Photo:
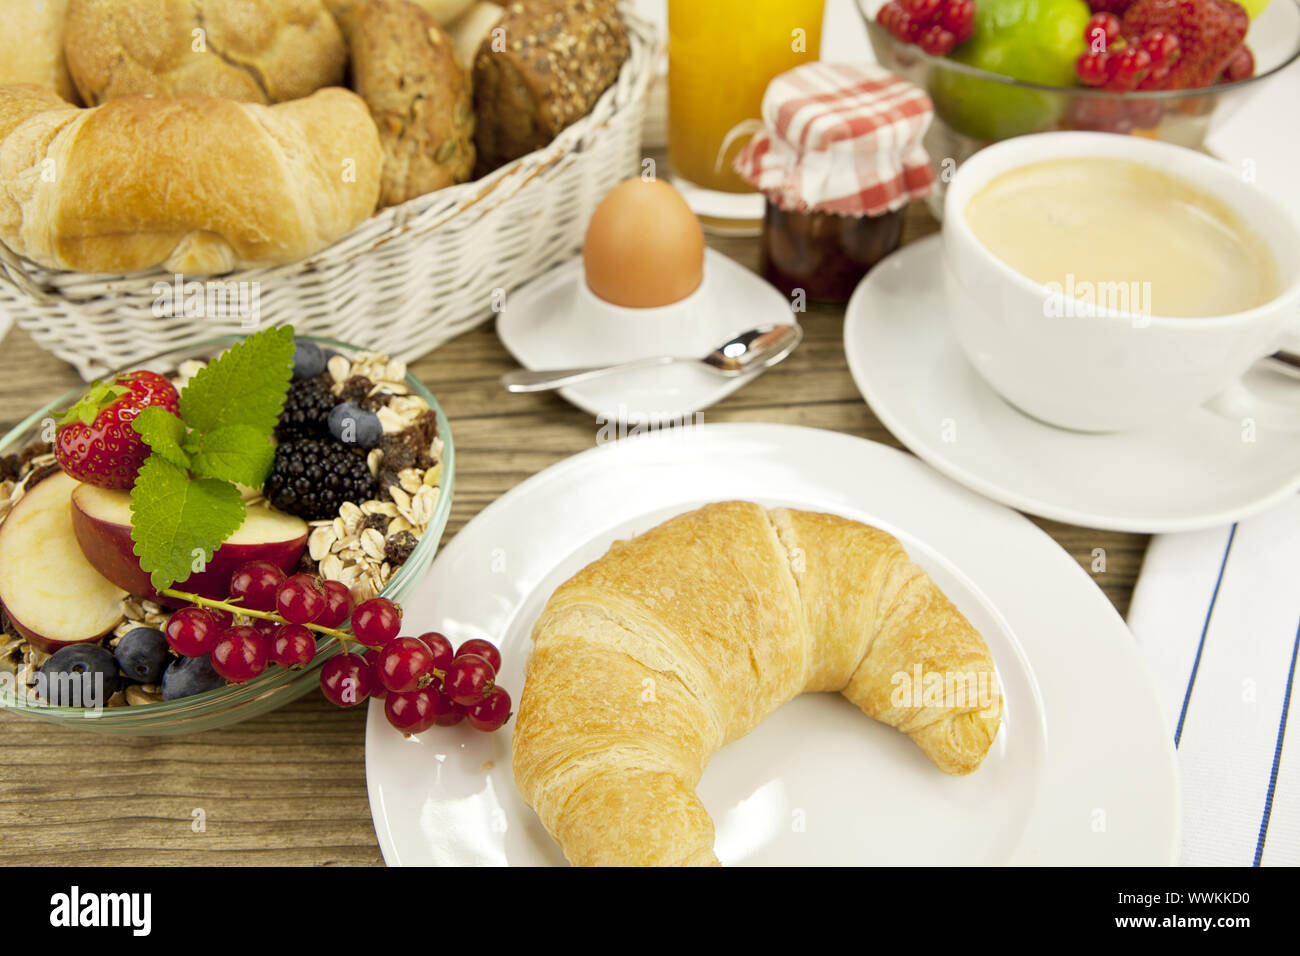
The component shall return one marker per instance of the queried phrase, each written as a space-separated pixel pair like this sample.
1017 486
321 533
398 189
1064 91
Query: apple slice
101 519
52 594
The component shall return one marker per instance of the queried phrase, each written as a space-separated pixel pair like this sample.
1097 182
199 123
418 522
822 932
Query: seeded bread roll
542 67
196 184
404 67
31 45
255 51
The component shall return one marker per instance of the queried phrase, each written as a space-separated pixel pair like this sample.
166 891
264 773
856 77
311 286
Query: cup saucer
542 327
1200 469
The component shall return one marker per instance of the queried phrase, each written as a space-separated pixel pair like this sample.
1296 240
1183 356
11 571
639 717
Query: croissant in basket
678 641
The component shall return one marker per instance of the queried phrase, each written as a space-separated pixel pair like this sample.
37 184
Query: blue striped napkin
1217 614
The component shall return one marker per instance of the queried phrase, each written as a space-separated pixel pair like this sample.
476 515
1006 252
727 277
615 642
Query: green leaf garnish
238 453
245 386
163 432
185 502
178 522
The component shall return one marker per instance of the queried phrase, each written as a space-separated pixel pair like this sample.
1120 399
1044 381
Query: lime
1036 41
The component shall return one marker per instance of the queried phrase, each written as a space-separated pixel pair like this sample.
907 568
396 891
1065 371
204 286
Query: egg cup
556 321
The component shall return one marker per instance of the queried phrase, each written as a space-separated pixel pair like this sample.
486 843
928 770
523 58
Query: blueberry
308 359
353 425
80 675
142 654
188 676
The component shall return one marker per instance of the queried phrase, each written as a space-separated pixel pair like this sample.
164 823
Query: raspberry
1209 34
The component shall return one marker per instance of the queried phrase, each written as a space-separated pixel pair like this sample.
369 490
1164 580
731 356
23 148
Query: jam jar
839 156
823 253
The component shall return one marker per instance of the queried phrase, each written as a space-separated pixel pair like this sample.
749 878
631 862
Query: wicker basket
403 282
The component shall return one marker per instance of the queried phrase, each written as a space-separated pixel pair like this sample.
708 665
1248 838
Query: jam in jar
823 253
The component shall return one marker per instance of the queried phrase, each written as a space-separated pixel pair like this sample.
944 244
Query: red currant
1161 46
1241 66
484 649
345 680
413 712
240 654
1102 30
922 11
1093 69
441 649
254 585
301 599
491 712
403 664
193 631
338 604
469 679
293 646
377 689
959 19
376 622
447 713
937 41
1127 68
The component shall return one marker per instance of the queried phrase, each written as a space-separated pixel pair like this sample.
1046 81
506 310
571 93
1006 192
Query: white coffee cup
1111 370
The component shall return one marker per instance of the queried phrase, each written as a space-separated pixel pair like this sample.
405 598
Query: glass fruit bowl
974 107
276 686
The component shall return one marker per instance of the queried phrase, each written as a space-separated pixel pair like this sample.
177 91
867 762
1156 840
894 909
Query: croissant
684 638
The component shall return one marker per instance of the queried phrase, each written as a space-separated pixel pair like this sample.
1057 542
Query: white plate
1082 771
1196 471
540 330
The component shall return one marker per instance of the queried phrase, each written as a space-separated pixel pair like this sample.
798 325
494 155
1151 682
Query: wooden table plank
289 787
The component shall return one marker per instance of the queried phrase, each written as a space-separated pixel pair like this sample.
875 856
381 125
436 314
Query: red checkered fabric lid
840 138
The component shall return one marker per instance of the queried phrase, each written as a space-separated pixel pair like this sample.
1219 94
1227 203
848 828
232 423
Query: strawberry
95 442
1210 32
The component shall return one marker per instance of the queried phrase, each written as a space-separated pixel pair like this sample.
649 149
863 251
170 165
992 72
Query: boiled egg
644 247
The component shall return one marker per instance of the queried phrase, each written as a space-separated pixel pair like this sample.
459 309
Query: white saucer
1197 471
540 329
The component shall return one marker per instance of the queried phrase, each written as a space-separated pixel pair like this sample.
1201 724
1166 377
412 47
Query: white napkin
1217 614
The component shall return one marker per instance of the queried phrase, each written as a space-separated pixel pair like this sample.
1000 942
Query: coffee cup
1058 356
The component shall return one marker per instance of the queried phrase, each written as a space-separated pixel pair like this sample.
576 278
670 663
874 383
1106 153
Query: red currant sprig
936 26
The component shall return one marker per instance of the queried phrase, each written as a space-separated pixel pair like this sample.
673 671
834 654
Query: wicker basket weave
406 280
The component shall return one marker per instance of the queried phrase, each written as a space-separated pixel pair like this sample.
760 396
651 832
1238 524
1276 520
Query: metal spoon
748 352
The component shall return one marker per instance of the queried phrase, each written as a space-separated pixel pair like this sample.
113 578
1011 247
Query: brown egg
644 246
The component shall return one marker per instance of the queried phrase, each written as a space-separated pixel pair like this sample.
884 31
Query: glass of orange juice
721 55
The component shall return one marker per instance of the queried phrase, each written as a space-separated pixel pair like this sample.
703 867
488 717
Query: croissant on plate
684 638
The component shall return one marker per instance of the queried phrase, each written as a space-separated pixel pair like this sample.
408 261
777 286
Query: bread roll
442 11
194 184
678 641
255 51
404 67
31 45
542 67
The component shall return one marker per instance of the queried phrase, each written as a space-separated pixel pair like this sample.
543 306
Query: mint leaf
175 521
245 385
238 453
163 432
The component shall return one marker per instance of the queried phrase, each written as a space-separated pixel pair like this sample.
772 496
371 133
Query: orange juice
721 55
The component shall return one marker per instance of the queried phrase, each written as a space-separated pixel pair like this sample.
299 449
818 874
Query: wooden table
289 787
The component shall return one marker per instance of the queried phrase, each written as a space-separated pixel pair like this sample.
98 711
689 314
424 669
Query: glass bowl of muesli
373 524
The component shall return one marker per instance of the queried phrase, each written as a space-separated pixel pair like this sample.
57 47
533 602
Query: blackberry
313 478
306 409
